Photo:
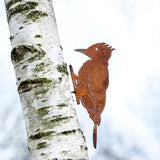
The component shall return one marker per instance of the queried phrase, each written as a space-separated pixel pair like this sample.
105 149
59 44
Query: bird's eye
96 49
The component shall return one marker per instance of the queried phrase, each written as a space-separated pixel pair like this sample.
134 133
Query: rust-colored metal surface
92 81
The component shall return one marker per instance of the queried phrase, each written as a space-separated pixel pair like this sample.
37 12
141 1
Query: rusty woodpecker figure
92 81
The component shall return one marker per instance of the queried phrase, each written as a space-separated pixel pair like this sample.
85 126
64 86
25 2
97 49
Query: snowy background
130 122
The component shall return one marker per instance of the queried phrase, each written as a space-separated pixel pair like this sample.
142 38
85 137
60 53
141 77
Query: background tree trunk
42 79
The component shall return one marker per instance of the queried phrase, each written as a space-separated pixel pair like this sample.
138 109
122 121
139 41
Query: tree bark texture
42 78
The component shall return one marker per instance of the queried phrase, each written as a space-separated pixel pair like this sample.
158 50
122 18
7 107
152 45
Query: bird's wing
97 84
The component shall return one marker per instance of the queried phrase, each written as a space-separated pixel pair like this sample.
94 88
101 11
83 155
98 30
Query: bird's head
100 52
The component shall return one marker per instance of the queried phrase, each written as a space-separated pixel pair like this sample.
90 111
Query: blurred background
130 122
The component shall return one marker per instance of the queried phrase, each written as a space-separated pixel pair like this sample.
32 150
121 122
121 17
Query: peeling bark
42 79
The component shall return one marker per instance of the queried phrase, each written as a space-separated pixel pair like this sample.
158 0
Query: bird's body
92 81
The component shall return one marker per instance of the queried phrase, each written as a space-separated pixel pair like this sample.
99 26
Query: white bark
42 79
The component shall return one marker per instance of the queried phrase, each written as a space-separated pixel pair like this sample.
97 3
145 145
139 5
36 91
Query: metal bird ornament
92 81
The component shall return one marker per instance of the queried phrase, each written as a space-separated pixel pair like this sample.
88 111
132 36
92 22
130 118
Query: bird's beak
84 51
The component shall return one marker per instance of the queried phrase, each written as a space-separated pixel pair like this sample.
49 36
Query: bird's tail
95 135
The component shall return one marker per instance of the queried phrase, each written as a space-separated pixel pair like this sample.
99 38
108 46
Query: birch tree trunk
42 78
